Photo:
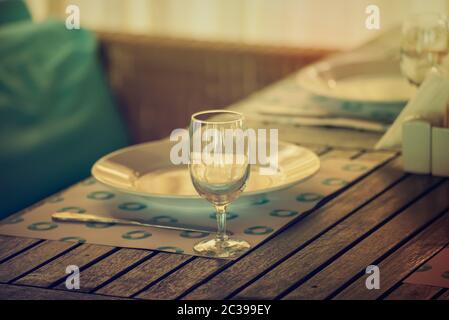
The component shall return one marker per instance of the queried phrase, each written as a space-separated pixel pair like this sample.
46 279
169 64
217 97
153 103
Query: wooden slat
13 292
354 261
341 236
340 153
108 268
403 261
318 149
32 258
182 279
10 246
377 155
408 291
143 275
54 271
271 252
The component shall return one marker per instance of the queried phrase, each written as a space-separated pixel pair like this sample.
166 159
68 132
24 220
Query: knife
321 121
81 217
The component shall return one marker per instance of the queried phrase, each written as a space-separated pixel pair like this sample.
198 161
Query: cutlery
321 121
81 217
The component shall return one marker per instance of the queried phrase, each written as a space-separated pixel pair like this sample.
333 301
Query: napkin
429 104
315 117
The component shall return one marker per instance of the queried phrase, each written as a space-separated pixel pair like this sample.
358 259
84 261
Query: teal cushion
57 115
13 10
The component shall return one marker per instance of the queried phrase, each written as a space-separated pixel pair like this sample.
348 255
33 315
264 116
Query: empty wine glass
424 45
219 169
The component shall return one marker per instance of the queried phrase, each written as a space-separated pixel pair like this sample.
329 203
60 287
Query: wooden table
388 218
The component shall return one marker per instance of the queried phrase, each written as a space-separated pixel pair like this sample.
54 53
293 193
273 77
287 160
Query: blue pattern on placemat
252 221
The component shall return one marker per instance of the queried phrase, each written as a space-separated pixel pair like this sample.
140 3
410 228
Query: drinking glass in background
222 177
424 45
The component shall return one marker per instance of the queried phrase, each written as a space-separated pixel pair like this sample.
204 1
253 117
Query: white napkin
429 104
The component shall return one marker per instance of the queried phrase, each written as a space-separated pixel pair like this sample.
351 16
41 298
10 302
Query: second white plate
358 87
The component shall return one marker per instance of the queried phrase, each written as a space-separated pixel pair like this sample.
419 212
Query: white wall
320 23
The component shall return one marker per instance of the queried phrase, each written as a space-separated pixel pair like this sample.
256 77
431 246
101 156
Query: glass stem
221 223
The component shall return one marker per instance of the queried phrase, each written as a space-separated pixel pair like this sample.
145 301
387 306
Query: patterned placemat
252 222
287 95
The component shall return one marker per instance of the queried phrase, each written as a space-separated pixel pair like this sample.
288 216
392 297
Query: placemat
253 222
287 96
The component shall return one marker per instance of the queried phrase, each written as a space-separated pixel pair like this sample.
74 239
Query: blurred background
296 23
213 53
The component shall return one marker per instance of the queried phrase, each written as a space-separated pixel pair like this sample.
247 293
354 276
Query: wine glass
424 45
219 169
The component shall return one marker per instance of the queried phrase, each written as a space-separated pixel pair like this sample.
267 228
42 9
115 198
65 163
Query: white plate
146 170
366 88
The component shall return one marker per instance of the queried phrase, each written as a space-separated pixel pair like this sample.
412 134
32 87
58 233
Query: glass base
221 249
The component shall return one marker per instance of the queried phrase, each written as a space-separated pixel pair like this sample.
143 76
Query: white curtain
297 23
